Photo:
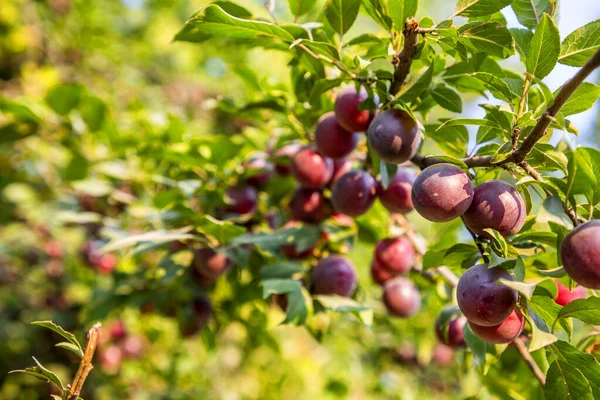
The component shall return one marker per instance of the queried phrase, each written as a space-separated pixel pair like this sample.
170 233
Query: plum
482 299
397 196
211 264
395 255
283 156
503 333
496 205
565 296
347 113
334 275
380 275
442 192
258 170
394 136
332 140
353 193
241 199
580 254
311 169
449 327
309 205
401 297
340 167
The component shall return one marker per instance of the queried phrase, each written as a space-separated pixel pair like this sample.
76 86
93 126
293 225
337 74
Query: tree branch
539 130
403 60
522 349
86 363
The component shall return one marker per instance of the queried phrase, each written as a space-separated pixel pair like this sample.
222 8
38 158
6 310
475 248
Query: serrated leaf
522 39
58 329
586 310
584 362
584 172
530 12
547 309
447 98
488 37
71 347
299 307
544 48
552 211
451 139
582 100
379 12
580 45
497 87
154 237
502 153
341 14
303 236
41 372
565 382
479 8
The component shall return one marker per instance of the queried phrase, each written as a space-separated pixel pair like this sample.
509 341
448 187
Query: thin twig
86 363
478 244
522 349
403 61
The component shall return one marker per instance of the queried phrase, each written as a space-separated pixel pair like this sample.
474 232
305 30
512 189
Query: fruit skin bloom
401 297
334 275
353 193
347 113
394 136
397 196
580 254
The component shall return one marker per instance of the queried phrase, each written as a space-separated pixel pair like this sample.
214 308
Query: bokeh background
141 93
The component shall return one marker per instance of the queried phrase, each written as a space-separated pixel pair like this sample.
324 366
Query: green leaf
565 382
221 231
65 97
502 153
586 310
530 12
539 336
301 7
584 172
489 37
378 10
468 121
323 86
93 111
453 161
451 139
41 372
319 48
497 87
522 39
67 335
400 10
387 171
299 307
552 211
341 14
213 20
479 8
579 360
526 289
582 100
71 347
580 45
344 304
280 270
447 98
544 48
153 237
498 242
417 88
304 236
547 309
476 345
279 286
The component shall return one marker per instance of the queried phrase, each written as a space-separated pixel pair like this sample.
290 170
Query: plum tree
580 254
211 264
482 299
353 193
332 140
504 332
379 274
347 111
401 297
449 327
395 255
394 136
396 197
311 169
565 296
309 205
333 275
442 192
496 205
241 199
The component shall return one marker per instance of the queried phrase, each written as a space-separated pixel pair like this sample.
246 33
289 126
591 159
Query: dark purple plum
482 299
503 333
580 254
401 297
283 157
395 255
442 192
397 196
346 109
353 193
332 140
311 169
334 275
496 205
394 136
210 264
449 327
241 199
309 205
258 170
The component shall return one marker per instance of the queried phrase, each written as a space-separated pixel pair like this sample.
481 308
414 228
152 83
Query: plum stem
539 130
85 366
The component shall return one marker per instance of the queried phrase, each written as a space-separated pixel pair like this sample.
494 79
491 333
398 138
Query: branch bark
86 363
539 130
522 349
403 61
